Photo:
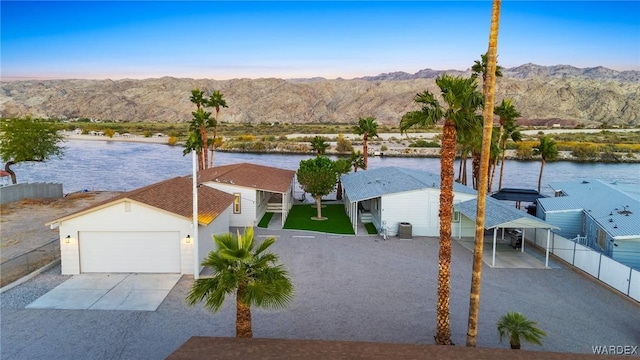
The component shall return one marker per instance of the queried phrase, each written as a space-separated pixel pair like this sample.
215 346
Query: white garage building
147 230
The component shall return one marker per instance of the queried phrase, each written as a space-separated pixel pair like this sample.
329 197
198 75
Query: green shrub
524 151
343 145
421 143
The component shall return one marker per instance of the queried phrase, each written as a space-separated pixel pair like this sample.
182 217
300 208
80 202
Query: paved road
347 288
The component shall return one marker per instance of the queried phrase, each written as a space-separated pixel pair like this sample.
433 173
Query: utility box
405 230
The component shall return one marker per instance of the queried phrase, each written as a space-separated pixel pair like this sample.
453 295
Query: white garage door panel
112 251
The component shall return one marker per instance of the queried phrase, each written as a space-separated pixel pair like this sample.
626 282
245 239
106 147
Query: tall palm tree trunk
540 176
213 144
475 169
205 147
493 166
447 156
504 150
365 150
487 128
243 316
464 171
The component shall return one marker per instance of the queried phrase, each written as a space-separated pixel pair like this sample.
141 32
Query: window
456 216
602 236
236 203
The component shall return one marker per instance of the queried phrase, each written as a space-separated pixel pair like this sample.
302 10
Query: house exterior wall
598 238
123 216
419 208
627 252
220 225
570 222
248 204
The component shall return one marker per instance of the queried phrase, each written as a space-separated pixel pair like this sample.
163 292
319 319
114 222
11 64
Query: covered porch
500 216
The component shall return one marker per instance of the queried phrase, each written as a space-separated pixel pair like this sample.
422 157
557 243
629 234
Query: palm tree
216 101
197 97
200 123
239 265
342 166
357 161
367 127
516 326
548 151
480 67
508 130
197 127
463 100
319 145
488 87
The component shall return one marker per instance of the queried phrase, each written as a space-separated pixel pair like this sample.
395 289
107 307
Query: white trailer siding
248 204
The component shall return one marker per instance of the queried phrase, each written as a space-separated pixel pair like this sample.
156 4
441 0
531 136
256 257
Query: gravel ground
347 288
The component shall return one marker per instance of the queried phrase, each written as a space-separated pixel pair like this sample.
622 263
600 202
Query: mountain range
544 95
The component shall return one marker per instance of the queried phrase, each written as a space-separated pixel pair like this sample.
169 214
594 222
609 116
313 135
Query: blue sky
242 39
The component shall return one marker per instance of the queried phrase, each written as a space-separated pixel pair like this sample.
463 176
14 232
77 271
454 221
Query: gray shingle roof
499 214
369 184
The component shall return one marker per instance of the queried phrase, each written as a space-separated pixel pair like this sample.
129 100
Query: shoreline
133 138
375 147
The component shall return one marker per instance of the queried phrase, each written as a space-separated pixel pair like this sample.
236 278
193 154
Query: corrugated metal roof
559 203
499 214
617 212
369 184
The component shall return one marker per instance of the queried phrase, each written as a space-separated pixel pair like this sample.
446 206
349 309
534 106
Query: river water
123 166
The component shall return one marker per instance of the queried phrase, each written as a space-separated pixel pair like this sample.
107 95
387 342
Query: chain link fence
19 266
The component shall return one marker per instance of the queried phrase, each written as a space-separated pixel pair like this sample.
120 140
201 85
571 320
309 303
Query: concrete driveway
140 292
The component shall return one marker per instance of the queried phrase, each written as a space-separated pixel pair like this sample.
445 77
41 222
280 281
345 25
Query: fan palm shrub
240 265
516 327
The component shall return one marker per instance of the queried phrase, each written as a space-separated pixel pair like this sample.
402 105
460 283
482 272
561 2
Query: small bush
524 151
172 140
424 144
246 137
384 148
343 145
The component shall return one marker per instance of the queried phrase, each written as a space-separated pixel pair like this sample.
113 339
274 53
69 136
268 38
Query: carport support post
546 258
522 248
196 260
493 255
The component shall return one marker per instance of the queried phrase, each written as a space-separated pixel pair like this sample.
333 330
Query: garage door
143 252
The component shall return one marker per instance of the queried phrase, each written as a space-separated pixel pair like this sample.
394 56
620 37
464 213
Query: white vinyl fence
619 276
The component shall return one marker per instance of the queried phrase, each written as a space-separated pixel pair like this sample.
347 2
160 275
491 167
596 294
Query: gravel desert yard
351 288
22 224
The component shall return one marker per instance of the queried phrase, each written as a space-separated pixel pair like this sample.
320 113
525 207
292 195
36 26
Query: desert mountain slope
543 95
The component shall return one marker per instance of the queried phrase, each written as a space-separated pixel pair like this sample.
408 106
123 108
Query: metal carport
499 215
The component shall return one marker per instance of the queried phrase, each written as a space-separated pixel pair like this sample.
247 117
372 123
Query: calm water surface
122 166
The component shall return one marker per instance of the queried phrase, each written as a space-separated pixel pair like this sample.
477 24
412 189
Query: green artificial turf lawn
371 229
337 220
264 223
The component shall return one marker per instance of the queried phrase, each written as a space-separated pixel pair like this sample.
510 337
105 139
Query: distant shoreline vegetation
597 146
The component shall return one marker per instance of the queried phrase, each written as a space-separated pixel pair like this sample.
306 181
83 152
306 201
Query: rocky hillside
543 95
